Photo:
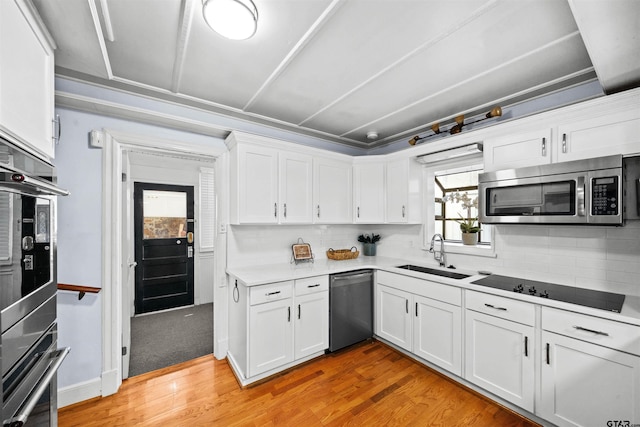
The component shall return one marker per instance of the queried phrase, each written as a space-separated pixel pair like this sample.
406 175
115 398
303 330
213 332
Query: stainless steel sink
434 271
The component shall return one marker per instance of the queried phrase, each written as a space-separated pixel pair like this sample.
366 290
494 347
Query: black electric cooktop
587 297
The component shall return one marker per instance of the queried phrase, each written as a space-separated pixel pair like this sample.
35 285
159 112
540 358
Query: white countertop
263 274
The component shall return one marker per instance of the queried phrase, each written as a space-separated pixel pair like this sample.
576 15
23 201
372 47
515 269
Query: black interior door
164 238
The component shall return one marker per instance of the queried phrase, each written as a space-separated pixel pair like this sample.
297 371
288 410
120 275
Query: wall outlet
223 228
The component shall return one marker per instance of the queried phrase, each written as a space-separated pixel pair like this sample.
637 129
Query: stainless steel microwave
590 191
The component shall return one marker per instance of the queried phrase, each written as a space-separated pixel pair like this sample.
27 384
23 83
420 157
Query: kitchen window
456 200
452 195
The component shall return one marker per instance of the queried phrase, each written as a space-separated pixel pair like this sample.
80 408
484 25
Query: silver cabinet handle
275 210
407 305
402 211
564 142
580 328
496 308
285 210
544 147
272 293
358 211
57 129
318 211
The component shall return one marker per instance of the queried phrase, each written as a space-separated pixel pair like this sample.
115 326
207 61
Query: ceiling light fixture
233 19
457 128
372 134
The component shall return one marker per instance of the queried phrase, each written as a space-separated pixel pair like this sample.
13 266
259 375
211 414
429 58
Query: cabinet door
369 193
270 336
499 357
332 192
393 320
514 151
26 80
585 384
295 188
311 324
437 333
600 136
397 187
258 185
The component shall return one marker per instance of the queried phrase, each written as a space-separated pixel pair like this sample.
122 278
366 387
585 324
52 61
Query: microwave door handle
580 196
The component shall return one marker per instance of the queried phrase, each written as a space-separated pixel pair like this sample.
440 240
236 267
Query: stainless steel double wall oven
28 284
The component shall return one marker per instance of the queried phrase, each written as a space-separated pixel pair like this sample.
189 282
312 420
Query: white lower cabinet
428 327
584 382
437 333
270 336
311 323
393 321
286 323
499 350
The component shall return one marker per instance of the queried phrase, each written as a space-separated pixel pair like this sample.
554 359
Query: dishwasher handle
351 276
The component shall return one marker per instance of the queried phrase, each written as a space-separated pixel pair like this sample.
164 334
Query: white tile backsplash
602 258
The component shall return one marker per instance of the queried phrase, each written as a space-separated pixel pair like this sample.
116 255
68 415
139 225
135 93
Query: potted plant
469 229
469 226
369 243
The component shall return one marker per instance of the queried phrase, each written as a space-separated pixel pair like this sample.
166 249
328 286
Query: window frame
474 162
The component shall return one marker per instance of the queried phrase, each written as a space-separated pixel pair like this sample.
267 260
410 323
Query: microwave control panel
604 196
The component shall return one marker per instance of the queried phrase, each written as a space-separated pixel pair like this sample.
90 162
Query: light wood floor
368 385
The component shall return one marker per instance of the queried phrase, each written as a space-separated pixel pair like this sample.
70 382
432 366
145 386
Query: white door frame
115 145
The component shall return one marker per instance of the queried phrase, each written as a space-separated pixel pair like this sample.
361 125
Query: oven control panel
604 196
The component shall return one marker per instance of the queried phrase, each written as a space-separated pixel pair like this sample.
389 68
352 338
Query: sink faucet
439 256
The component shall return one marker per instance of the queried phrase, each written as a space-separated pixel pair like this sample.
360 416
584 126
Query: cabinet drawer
312 285
605 332
270 292
425 288
506 308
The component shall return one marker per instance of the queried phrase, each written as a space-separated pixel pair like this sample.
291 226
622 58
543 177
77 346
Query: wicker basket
342 254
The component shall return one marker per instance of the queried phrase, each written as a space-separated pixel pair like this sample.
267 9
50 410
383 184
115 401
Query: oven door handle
37 186
21 418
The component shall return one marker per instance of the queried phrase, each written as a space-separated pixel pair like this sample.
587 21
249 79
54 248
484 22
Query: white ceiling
338 69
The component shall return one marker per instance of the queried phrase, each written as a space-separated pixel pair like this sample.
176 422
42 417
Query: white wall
80 238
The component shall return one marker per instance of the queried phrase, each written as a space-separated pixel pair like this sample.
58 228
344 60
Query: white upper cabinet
257 178
368 189
403 191
397 191
26 80
295 193
517 150
270 186
332 191
600 136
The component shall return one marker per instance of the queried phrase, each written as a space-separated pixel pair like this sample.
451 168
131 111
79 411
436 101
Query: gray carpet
163 339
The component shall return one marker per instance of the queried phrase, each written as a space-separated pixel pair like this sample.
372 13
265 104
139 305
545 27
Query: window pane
165 214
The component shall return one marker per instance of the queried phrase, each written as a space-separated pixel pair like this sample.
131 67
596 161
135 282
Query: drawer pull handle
580 328
495 308
313 286
272 293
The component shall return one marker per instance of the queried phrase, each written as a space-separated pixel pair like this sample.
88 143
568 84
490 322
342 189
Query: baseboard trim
110 382
79 392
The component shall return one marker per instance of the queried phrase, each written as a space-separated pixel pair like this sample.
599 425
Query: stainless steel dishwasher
350 308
